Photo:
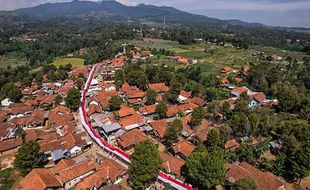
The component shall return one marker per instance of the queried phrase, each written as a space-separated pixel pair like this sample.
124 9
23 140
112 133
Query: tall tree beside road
145 165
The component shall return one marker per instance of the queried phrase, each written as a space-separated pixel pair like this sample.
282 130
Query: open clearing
12 61
75 62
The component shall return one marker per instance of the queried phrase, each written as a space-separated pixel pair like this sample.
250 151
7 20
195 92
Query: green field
13 61
216 57
75 62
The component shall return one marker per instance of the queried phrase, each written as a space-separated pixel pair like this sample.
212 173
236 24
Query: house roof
131 120
10 144
31 102
3 115
240 90
125 111
135 93
187 131
259 97
227 69
145 110
130 138
75 171
39 179
74 139
171 164
37 117
198 101
109 170
62 165
20 109
34 134
185 94
265 180
232 143
48 99
80 70
119 61
184 147
160 127
202 130
5 127
93 108
159 87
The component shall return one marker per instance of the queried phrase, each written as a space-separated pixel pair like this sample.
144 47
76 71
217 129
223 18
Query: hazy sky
270 12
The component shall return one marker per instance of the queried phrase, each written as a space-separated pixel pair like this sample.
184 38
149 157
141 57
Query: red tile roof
159 87
259 97
202 130
10 144
110 170
62 165
80 70
184 147
147 109
119 62
265 180
75 171
34 134
159 127
227 69
185 94
125 111
172 164
198 101
39 179
231 144
131 138
131 120
93 108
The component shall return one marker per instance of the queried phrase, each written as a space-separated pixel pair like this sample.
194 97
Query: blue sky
270 12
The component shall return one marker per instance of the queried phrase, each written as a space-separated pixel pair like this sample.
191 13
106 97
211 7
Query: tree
28 157
73 99
150 96
197 116
205 169
213 139
245 153
300 164
57 100
172 132
245 184
137 78
12 92
161 110
175 89
115 103
79 83
145 165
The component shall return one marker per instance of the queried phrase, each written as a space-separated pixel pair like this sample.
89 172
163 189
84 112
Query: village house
159 87
131 138
132 121
265 180
10 146
183 149
148 110
183 96
171 165
231 144
7 130
159 128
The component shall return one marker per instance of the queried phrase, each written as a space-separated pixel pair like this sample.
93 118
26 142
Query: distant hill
115 11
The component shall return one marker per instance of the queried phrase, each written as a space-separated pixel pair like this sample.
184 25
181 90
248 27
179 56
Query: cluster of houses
62 138
255 98
135 122
36 118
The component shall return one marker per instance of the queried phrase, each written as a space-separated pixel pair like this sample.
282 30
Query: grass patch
13 61
75 62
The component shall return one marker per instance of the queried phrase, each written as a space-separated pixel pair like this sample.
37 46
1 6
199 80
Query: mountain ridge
111 9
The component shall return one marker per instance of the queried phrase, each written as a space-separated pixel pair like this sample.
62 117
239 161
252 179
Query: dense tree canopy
28 157
73 99
145 165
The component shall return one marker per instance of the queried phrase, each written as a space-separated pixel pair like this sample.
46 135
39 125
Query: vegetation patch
75 62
